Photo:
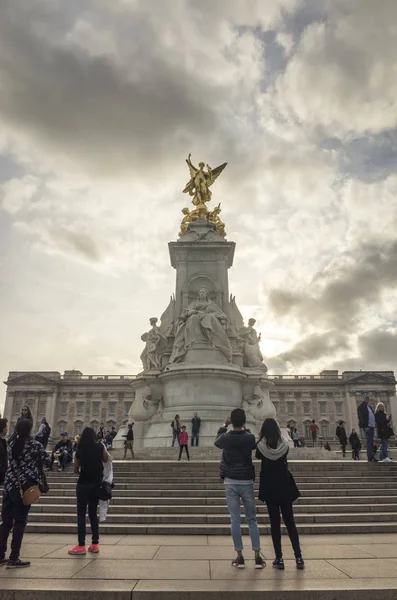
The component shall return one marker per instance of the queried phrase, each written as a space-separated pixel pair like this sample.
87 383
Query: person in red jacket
183 442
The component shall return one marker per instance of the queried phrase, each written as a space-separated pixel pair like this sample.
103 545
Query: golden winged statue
200 182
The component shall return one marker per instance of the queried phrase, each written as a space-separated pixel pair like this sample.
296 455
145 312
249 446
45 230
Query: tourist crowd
24 460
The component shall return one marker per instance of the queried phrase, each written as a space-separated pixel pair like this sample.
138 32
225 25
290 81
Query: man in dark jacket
366 421
196 424
238 474
3 449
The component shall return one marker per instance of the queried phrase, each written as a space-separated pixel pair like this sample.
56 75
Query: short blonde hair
379 406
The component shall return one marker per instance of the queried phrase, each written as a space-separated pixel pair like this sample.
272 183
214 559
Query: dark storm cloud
377 349
347 287
100 111
314 347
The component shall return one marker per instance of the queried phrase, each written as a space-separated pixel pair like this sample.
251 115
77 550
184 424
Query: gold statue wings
210 175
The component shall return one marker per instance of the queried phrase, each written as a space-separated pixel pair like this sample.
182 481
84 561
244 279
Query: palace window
324 430
306 408
290 408
42 407
112 409
79 409
338 409
64 409
307 430
77 429
322 409
127 406
96 407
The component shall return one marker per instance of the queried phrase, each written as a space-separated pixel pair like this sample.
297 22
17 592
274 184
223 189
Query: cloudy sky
100 104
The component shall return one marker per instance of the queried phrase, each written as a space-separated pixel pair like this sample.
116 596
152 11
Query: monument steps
165 497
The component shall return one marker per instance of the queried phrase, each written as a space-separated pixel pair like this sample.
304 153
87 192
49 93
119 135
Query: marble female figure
202 322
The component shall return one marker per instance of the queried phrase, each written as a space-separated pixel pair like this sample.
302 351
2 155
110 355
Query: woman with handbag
277 488
90 455
385 430
24 478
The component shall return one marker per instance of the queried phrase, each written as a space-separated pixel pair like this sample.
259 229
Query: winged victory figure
201 181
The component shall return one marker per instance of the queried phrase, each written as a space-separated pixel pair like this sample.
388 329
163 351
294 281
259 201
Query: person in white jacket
108 477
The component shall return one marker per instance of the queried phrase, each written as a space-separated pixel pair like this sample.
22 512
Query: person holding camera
238 473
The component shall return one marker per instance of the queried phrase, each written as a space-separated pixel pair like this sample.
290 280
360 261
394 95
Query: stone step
169 509
201 529
183 485
195 519
160 501
370 493
300 479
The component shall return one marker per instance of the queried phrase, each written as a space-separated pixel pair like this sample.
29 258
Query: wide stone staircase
186 498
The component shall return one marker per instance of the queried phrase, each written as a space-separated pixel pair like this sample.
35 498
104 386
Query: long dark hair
270 431
88 446
29 415
23 431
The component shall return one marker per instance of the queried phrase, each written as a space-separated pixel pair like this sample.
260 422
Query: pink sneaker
78 550
93 548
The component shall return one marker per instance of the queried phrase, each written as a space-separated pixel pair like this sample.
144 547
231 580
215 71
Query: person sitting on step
63 451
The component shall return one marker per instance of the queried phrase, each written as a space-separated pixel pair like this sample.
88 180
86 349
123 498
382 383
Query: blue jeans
370 443
384 445
195 437
235 494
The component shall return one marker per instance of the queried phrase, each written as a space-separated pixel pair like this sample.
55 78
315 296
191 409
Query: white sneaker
387 459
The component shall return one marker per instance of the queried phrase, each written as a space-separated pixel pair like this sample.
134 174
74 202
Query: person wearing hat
63 451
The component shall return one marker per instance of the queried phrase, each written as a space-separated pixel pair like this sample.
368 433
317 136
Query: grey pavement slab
286 589
226 552
58 589
71 538
378 550
145 569
314 569
165 540
113 552
369 568
41 568
33 550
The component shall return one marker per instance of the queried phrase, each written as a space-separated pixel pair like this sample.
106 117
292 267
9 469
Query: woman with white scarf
277 488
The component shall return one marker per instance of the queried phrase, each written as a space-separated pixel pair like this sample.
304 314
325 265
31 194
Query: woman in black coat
384 430
277 488
26 413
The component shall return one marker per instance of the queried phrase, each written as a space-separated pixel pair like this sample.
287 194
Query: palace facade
72 401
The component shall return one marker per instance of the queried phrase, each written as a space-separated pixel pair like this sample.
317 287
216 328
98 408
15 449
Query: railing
97 377
308 377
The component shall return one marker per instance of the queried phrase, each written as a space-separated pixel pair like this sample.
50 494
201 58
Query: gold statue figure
190 217
199 184
214 218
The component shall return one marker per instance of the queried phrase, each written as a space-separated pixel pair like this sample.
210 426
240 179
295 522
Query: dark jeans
182 446
195 436
356 454
63 459
370 443
175 436
296 443
314 439
14 516
275 527
87 495
343 449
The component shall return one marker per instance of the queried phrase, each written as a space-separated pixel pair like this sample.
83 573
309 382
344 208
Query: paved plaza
188 567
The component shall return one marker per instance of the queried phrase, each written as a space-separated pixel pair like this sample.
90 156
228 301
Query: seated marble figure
202 322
